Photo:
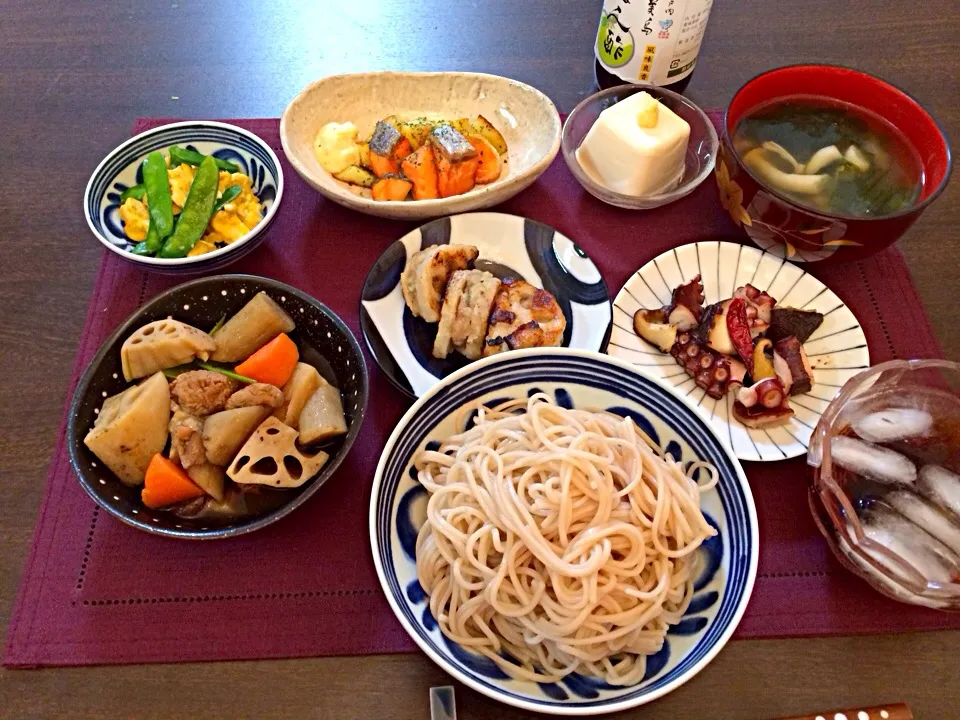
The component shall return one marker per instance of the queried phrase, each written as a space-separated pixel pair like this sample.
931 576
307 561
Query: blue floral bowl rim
198 259
532 705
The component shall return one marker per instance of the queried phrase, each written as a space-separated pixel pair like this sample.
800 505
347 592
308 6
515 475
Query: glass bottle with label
650 42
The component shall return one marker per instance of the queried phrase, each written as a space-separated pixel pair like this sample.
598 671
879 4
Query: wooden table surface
73 76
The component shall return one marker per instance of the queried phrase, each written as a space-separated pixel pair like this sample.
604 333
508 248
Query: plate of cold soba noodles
562 533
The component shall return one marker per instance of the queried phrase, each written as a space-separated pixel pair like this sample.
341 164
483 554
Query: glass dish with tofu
424 157
217 426
639 147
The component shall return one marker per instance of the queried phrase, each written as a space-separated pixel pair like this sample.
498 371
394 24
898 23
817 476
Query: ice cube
927 516
872 461
928 599
892 424
927 555
942 487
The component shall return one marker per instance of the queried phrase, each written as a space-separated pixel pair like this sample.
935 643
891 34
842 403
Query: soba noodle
563 539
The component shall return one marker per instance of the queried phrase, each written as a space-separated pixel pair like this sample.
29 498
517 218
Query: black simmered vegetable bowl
325 342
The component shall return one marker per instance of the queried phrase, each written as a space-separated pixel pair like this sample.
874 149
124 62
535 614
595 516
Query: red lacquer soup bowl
781 226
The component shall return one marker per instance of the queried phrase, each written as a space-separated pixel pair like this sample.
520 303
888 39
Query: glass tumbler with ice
886 480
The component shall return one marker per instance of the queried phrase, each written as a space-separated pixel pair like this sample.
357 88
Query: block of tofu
636 147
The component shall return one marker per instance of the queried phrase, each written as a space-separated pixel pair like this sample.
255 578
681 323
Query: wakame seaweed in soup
830 156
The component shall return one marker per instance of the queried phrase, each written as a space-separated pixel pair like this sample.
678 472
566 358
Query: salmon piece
420 168
384 139
489 163
455 178
391 188
451 143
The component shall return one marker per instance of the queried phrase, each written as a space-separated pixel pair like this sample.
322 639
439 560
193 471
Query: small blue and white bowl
728 561
122 169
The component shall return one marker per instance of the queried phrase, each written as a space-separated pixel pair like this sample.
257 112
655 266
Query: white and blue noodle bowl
727 563
122 169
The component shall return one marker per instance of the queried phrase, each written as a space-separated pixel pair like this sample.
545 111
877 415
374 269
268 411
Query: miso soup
830 156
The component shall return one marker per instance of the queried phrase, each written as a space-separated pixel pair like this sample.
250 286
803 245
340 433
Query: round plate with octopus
757 345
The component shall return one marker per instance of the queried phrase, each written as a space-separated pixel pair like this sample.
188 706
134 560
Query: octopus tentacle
709 369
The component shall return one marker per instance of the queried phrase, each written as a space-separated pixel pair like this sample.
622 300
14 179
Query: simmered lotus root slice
271 457
163 344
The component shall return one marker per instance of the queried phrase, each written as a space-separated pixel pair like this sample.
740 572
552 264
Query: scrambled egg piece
239 216
202 246
136 219
180 178
245 205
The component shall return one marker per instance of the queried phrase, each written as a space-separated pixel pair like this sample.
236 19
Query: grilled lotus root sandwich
477 313
424 279
466 312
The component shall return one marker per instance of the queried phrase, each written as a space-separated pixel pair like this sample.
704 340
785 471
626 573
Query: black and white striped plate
837 350
510 246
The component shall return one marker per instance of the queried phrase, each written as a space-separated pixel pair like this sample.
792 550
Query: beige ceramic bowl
525 117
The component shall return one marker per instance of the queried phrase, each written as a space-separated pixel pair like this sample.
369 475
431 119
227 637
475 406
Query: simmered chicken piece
202 392
262 394
186 439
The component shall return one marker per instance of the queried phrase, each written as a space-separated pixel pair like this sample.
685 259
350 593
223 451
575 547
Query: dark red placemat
96 591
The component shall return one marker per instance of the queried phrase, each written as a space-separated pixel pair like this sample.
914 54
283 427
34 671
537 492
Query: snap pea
212 367
134 191
196 213
192 157
229 194
225 371
149 246
158 194
220 322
